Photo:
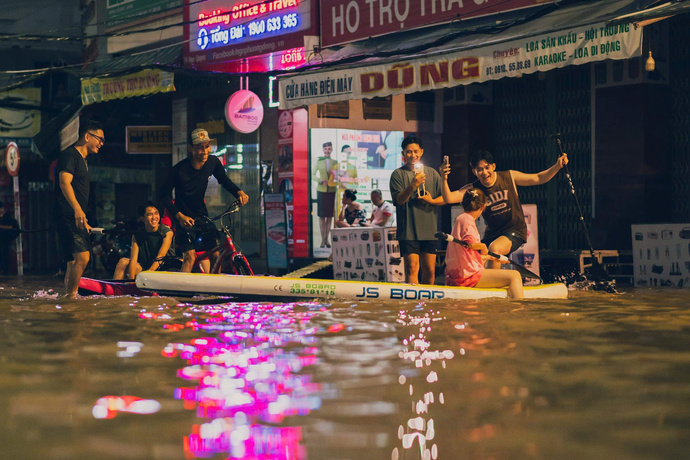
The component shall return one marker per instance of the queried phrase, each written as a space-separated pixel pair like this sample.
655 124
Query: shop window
378 108
333 110
420 106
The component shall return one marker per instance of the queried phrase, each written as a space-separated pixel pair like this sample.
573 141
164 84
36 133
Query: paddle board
90 286
267 286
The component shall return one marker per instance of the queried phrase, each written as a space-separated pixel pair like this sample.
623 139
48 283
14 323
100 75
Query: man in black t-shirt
189 178
72 192
149 245
505 230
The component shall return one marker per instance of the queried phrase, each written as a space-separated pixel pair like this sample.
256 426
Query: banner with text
144 83
344 21
511 59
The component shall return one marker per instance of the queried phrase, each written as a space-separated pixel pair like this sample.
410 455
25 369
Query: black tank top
503 213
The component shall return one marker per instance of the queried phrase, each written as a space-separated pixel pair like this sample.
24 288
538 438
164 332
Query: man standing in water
72 192
189 178
506 229
416 192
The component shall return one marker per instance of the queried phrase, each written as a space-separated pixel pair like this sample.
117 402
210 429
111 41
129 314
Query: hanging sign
244 111
144 83
12 158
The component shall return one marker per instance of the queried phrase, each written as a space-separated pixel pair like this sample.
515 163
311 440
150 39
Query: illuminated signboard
344 21
219 31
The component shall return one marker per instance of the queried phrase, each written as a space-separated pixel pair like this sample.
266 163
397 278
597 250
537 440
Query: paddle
12 233
521 269
597 271
21 230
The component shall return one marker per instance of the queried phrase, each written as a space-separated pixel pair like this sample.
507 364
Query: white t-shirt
379 212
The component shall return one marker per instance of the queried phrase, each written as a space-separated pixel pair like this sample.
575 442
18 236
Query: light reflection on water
596 376
248 377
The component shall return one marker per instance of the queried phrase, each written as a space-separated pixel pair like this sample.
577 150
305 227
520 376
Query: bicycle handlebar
233 208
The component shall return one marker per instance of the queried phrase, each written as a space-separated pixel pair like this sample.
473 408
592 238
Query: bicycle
228 252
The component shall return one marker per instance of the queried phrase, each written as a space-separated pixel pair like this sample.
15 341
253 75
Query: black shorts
515 240
203 236
72 240
418 247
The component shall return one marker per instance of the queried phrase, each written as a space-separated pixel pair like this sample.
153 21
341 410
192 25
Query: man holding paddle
506 229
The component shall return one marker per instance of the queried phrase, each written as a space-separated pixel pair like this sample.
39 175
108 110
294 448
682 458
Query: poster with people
348 159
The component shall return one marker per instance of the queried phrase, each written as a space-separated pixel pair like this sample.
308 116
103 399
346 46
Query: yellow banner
144 83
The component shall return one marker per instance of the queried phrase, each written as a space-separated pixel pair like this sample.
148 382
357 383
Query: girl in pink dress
465 266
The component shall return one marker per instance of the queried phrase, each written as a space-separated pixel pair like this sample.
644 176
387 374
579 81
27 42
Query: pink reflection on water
109 406
247 377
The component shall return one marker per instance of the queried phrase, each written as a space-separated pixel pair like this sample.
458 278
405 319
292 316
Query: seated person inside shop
382 213
352 213
149 245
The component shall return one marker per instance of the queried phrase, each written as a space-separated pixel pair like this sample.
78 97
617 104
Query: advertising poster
346 158
527 255
19 123
276 230
661 255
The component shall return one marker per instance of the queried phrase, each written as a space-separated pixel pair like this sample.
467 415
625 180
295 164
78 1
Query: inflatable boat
266 286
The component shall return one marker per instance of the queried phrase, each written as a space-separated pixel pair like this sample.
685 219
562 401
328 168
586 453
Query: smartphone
421 191
446 160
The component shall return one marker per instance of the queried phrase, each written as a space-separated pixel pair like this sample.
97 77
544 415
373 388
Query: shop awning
452 54
165 56
654 13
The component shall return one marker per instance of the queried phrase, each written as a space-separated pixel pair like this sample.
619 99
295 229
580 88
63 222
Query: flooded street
595 376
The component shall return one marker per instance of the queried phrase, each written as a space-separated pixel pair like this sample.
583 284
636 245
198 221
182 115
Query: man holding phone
416 192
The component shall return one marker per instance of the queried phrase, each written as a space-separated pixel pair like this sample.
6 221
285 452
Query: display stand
367 254
661 255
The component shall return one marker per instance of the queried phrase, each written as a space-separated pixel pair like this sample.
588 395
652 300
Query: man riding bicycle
189 178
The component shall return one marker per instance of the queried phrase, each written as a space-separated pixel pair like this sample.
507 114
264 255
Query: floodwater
597 376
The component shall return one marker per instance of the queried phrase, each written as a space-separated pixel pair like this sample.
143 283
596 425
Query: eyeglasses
101 139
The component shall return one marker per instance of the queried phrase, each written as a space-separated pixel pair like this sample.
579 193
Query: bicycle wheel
242 266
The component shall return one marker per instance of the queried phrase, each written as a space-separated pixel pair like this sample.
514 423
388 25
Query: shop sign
144 83
17 119
510 59
69 134
218 31
244 111
344 21
12 158
148 139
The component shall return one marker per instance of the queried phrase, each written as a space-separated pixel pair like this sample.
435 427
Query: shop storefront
468 95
